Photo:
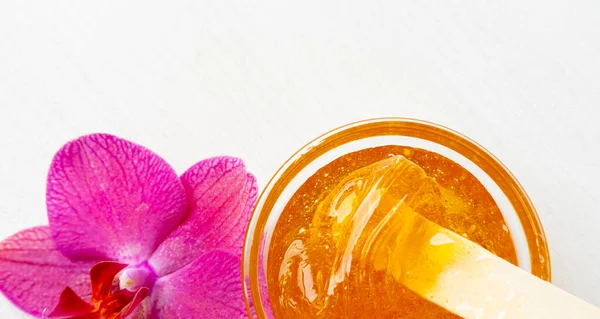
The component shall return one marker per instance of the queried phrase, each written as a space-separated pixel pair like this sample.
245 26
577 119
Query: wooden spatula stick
469 281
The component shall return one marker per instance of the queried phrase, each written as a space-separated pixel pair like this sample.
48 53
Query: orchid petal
221 195
111 199
209 287
142 311
137 299
70 305
102 276
33 273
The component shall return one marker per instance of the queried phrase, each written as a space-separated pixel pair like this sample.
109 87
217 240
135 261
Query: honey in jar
333 252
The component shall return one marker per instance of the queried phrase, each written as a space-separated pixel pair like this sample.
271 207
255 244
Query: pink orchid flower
129 238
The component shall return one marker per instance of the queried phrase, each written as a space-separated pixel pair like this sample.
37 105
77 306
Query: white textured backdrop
192 79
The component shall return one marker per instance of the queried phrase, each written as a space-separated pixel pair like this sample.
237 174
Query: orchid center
133 278
116 290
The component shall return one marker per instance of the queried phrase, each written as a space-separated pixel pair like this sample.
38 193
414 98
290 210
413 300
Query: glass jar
515 206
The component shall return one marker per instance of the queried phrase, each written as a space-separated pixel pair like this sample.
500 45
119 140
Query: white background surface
192 79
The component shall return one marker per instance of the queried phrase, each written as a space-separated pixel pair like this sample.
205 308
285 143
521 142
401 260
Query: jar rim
528 217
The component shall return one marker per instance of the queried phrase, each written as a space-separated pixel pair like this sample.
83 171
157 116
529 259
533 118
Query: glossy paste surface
334 252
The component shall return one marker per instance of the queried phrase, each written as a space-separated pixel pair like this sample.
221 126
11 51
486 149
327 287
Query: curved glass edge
527 214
